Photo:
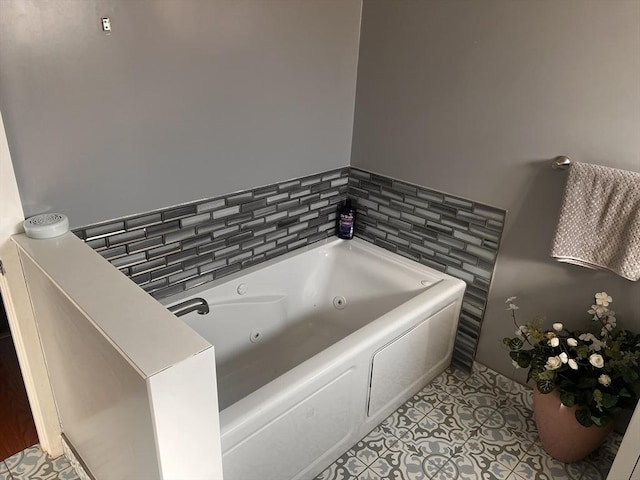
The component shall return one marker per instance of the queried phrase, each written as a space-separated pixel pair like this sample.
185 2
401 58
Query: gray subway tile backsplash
210 205
195 220
178 212
451 234
103 230
181 247
112 253
225 212
289 185
97 243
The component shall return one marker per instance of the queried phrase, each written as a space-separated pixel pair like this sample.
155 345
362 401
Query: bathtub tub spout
200 305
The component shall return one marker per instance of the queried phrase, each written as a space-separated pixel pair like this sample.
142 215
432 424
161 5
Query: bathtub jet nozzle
199 305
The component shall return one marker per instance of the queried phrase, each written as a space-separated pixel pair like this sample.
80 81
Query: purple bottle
346 221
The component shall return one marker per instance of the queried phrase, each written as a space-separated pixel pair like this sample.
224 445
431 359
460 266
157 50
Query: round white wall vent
46 225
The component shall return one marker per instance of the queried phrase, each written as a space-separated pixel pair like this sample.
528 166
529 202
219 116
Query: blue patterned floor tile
463 427
538 465
373 445
345 468
458 418
424 402
500 386
31 463
593 472
507 422
472 467
602 458
68 474
447 383
459 374
4 472
369 474
34 464
439 428
515 476
401 421
506 451
405 464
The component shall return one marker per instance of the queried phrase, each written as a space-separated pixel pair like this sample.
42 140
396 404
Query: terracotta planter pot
561 434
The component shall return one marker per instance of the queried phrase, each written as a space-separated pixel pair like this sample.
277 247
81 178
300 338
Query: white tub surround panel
317 347
182 401
111 351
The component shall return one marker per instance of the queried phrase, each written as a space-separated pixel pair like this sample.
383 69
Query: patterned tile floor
460 426
33 464
465 427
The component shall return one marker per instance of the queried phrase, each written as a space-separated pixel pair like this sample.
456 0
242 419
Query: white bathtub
315 348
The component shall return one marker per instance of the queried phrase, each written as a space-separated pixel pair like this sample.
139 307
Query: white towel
599 224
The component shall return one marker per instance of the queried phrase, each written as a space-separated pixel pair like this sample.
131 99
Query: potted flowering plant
593 371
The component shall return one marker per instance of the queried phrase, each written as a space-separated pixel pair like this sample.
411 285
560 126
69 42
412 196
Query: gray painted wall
185 99
476 97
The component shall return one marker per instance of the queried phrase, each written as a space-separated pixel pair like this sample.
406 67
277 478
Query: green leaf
516 343
568 399
609 400
587 382
545 386
522 358
584 417
546 375
582 351
538 363
597 397
629 375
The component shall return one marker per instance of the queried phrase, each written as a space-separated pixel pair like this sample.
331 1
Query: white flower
604 380
609 325
596 345
515 364
510 304
554 342
564 357
603 299
522 331
558 327
553 363
572 342
573 364
597 311
596 360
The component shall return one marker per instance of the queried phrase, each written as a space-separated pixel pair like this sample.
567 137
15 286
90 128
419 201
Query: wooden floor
17 430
